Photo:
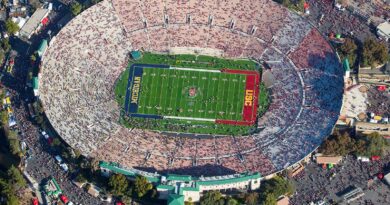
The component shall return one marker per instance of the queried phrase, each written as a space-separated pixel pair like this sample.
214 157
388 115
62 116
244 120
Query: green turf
166 92
264 100
180 104
192 61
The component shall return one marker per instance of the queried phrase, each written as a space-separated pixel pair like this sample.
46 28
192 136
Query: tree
56 142
374 53
231 201
349 46
118 184
12 200
300 4
76 8
39 119
14 147
251 198
33 57
376 144
80 178
126 199
142 186
94 164
12 135
77 153
5 188
7 191
2 56
4 118
269 199
5 44
278 186
212 198
341 144
15 177
38 107
11 27
348 50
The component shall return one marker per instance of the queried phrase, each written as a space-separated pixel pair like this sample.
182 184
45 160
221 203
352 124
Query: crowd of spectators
39 162
378 101
82 63
315 183
328 19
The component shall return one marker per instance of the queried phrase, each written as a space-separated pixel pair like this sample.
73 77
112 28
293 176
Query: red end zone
252 89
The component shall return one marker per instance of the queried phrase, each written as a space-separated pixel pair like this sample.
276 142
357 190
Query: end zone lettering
248 98
135 90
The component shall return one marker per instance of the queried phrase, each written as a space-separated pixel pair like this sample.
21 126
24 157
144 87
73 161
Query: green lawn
166 92
264 100
191 61
121 86
162 94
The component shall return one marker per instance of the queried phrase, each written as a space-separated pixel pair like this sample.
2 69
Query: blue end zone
150 65
129 80
146 116
134 89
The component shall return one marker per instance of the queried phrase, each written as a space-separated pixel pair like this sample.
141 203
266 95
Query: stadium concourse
84 60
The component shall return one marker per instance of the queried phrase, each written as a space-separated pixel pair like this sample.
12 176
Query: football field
190 93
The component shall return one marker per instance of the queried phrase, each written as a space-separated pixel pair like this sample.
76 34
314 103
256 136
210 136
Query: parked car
64 167
58 159
34 201
64 199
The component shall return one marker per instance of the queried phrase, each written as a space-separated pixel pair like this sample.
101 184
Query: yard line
220 95
225 94
169 93
198 98
238 98
158 92
231 92
164 90
214 95
242 84
179 94
206 92
201 98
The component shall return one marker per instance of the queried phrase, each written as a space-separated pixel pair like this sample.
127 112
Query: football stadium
105 97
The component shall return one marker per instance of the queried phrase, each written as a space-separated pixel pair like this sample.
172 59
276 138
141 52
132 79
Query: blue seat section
146 116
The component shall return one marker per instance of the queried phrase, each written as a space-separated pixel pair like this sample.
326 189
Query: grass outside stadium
191 94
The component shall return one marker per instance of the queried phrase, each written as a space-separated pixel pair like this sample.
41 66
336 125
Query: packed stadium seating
84 60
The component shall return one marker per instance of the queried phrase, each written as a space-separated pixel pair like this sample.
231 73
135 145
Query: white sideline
190 118
196 69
